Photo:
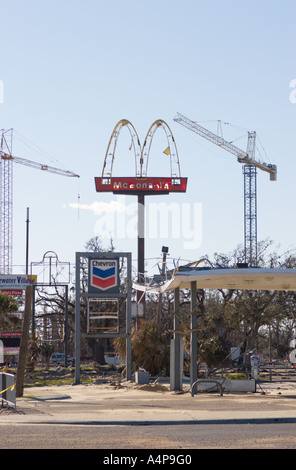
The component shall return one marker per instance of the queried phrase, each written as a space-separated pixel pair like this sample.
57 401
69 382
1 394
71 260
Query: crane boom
242 157
6 195
38 166
250 179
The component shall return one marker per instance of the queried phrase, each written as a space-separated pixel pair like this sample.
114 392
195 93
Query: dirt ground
92 373
58 374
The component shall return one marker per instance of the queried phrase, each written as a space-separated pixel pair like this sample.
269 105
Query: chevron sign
103 275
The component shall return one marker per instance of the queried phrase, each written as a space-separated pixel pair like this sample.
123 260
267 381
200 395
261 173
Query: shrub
150 348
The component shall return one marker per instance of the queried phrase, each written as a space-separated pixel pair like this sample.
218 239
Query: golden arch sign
141 184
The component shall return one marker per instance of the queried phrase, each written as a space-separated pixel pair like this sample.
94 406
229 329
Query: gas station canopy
224 278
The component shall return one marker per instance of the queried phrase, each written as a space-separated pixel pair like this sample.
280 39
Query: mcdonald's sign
141 184
126 185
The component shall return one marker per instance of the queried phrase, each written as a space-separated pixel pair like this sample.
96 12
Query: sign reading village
16 281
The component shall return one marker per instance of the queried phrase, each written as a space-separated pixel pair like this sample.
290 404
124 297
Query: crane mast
250 179
6 195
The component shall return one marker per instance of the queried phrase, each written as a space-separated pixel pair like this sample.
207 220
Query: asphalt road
175 437
108 419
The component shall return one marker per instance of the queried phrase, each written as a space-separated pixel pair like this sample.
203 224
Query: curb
223 421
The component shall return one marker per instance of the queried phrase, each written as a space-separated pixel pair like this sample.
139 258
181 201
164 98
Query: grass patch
236 376
241 376
44 383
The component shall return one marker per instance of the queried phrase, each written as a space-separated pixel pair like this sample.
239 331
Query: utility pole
27 242
20 375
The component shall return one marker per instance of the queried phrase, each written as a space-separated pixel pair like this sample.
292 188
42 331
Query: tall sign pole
102 299
141 242
141 185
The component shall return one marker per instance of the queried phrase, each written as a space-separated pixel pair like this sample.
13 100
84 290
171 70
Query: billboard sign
16 281
103 275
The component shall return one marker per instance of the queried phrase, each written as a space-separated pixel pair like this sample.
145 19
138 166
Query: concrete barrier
7 388
239 385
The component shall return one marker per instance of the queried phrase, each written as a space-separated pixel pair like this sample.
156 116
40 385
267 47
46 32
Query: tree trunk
24 343
99 351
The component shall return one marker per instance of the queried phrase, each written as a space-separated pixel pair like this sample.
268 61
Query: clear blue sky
71 70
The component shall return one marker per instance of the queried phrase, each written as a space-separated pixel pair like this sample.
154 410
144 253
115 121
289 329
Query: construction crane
6 195
250 179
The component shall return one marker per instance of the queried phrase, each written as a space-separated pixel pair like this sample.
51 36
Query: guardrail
7 389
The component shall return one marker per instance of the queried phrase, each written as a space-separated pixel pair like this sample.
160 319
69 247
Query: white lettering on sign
103 263
159 185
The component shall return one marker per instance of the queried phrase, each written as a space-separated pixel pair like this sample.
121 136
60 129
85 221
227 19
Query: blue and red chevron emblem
104 274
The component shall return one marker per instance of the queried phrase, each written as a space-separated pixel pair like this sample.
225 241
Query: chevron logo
104 274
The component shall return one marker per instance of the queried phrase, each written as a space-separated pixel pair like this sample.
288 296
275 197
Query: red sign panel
12 291
149 185
10 334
